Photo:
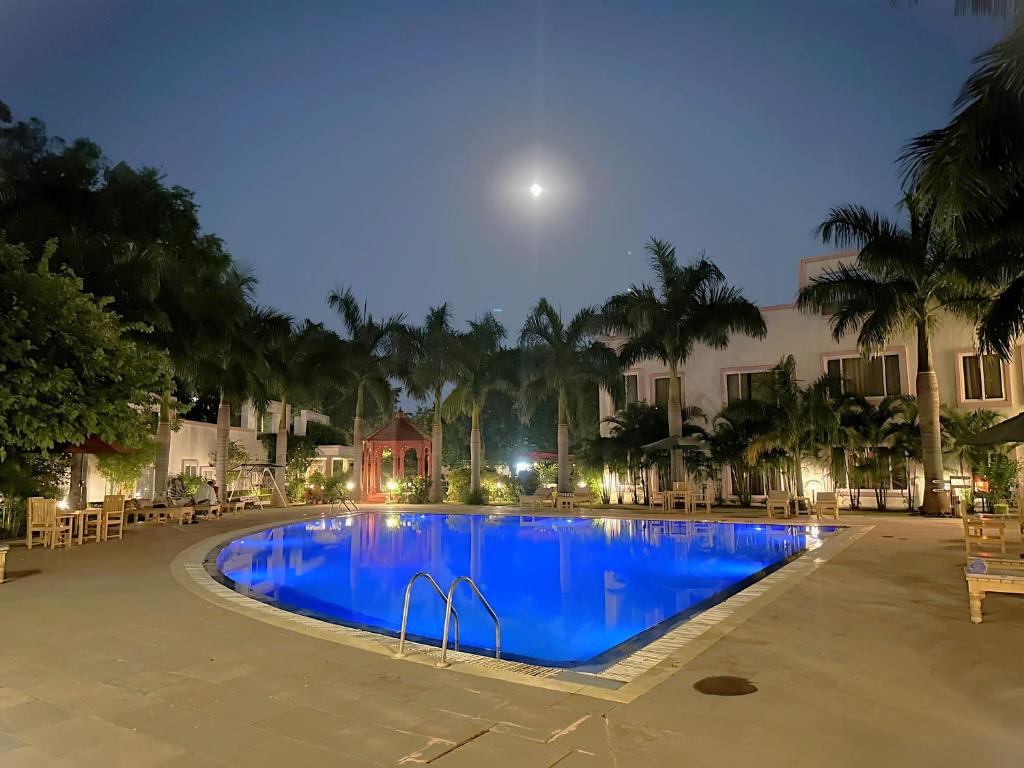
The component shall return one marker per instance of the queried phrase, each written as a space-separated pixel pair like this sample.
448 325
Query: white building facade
713 377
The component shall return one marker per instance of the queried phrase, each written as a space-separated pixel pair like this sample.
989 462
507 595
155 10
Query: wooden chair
533 500
979 532
826 503
992 575
113 516
778 501
584 498
39 521
702 498
656 499
3 561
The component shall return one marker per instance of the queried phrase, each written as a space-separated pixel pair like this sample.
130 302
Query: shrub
191 483
529 481
476 499
122 470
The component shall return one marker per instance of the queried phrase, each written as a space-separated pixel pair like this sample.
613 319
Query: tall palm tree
293 355
904 279
564 360
482 366
428 355
877 429
235 364
690 305
798 417
368 363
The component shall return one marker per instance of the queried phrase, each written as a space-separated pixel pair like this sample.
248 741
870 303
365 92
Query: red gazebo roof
401 429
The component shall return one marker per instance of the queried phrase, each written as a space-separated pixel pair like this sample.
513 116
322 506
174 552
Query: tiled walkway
106 660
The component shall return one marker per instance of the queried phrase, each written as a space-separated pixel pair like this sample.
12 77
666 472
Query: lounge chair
992 575
656 499
112 519
3 561
826 503
980 532
701 498
778 501
179 515
584 498
533 500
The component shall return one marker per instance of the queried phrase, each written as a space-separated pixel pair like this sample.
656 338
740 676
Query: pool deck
870 659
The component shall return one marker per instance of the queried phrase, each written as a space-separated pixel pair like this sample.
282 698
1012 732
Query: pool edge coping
643 669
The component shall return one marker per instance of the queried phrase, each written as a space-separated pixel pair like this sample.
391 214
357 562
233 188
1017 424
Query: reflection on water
566 590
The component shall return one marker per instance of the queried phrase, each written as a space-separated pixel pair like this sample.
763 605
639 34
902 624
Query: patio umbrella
1009 431
668 443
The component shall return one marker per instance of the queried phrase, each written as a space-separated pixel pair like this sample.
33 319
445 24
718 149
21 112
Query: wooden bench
3 561
992 575
981 531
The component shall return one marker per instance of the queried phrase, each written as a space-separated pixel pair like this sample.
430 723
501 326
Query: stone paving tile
502 749
198 732
532 723
129 750
454 728
30 714
387 746
312 726
288 752
585 760
8 743
213 671
33 757
66 737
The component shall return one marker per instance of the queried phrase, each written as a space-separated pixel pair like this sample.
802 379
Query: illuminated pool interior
577 592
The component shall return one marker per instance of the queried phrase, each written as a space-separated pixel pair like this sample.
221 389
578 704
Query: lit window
869 377
190 467
982 377
747 386
632 388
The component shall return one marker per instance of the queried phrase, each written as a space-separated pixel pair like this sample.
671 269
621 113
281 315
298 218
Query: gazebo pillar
400 472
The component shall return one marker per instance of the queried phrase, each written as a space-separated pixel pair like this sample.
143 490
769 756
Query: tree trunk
280 498
436 448
163 447
564 479
357 446
474 452
223 446
675 422
798 476
936 500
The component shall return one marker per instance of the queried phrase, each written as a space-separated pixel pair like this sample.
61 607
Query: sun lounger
826 503
778 501
992 575
533 500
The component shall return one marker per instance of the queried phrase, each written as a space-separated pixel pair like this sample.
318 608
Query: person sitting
206 498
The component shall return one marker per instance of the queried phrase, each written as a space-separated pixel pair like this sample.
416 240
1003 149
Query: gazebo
399 436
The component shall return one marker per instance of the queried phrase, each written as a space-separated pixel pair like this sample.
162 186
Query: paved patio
870 660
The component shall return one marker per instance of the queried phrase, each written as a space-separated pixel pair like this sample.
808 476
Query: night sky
390 145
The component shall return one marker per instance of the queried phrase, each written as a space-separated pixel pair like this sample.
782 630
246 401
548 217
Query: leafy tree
69 368
904 278
482 365
733 431
633 427
122 470
365 361
690 305
429 367
562 360
957 426
876 428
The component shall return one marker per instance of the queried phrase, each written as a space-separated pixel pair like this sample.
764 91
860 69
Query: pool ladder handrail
346 503
451 608
405 611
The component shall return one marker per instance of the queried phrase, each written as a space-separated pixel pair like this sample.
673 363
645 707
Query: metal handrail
451 609
405 611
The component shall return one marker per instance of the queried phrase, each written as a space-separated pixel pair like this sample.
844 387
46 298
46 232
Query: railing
448 614
346 503
405 611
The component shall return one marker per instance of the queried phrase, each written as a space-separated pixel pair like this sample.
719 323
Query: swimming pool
570 592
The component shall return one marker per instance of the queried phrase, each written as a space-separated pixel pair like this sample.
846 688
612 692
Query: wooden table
686 497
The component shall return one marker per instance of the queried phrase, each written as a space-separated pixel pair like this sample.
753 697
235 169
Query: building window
871 377
632 388
982 377
190 467
661 391
754 385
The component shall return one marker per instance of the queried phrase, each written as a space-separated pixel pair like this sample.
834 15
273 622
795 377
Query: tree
293 355
234 363
904 278
957 426
877 428
367 363
429 368
122 470
70 368
733 431
482 365
562 360
633 427
690 305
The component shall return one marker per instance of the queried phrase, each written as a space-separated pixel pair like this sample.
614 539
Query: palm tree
877 429
293 356
368 363
904 278
482 366
234 364
958 425
430 367
690 305
734 430
798 420
566 361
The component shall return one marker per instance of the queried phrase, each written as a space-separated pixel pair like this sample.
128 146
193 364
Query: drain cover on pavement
725 685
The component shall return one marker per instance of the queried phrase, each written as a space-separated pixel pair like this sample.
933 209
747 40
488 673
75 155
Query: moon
536 189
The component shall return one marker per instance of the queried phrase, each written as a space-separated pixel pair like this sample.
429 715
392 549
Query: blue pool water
569 592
